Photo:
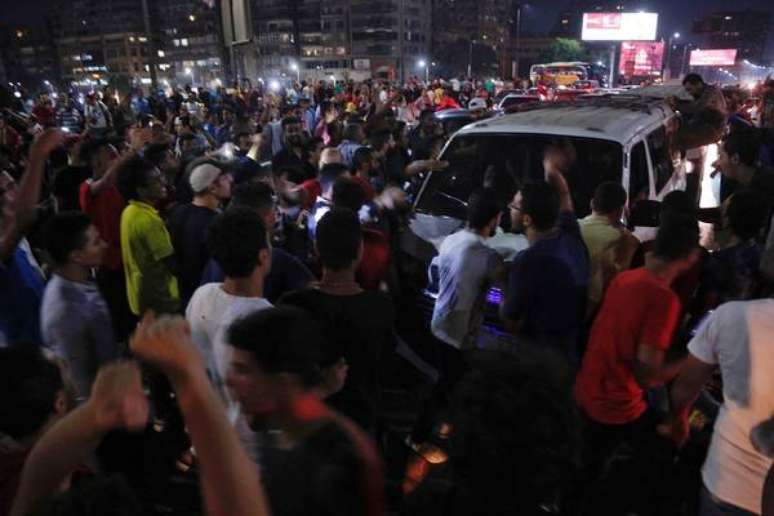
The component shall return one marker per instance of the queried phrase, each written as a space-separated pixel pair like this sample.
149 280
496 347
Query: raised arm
117 401
555 163
230 481
20 214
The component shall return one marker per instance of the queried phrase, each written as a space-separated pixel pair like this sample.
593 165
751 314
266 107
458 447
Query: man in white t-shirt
239 243
739 339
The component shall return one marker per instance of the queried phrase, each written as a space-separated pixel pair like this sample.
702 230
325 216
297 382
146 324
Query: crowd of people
200 308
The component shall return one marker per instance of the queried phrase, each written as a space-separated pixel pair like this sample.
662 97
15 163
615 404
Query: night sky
539 17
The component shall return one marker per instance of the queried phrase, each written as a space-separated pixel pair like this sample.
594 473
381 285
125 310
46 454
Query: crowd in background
243 245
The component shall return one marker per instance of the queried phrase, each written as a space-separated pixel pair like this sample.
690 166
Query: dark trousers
112 285
451 367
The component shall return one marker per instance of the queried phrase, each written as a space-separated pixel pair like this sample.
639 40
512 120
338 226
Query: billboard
641 58
722 57
619 26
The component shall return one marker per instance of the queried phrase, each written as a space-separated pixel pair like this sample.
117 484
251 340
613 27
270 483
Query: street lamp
423 64
668 68
192 17
294 67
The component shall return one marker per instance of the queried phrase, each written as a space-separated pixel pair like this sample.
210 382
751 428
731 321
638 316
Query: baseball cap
477 103
203 176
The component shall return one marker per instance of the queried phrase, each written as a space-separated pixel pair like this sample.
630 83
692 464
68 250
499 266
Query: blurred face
695 90
259 393
294 135
243 143
155 188
269 217
105 156
222 187
228 117
726 164
517 217
90 255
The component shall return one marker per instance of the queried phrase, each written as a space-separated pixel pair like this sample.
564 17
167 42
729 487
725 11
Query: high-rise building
189 46
475 22
316 38
745 31
27 55
138 39
390 38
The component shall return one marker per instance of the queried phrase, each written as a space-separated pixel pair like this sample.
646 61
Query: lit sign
723 57
641 58
619 26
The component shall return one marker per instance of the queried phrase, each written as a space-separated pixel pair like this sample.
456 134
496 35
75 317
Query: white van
622 138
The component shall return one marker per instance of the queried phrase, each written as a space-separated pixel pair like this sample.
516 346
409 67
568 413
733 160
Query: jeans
712 507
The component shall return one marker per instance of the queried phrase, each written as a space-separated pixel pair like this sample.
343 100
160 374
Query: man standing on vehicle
707 117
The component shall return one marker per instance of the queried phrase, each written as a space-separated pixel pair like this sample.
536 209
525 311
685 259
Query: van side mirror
645 213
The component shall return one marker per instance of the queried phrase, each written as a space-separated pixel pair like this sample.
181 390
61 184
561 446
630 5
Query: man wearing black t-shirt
319 462
188 224
357 323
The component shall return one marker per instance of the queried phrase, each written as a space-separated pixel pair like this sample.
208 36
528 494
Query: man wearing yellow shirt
611 247
145 242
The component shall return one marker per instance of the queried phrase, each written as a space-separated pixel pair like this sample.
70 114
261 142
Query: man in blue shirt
545 301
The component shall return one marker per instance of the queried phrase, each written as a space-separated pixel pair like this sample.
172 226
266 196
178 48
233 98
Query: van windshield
506 161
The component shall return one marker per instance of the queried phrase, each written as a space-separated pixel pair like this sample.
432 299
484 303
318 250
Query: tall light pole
668 68
682 62
151 43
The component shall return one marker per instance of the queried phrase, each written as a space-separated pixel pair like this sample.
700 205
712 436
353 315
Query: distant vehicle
511 103
504 93
566 73
587 85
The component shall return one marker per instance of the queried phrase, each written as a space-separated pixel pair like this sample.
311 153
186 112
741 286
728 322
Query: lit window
176 42
184 42
161 53
142 39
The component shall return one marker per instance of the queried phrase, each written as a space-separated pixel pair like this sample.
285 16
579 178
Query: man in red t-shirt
101 201
629 340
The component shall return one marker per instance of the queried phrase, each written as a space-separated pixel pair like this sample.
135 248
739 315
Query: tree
564 49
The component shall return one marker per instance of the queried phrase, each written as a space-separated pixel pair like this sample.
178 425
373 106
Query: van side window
659 153
639 187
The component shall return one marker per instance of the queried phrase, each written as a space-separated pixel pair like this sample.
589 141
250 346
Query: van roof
618 118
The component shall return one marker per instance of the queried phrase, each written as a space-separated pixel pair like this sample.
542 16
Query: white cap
477 103
203 176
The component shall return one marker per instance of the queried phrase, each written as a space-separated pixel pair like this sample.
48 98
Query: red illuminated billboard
640 58
723 57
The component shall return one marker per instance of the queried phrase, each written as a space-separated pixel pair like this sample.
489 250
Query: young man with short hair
467 268
100 199
324 202
355 321
545 300
321 463
188 224
611 246
629 341
74 318
239 243
146 246
291 158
